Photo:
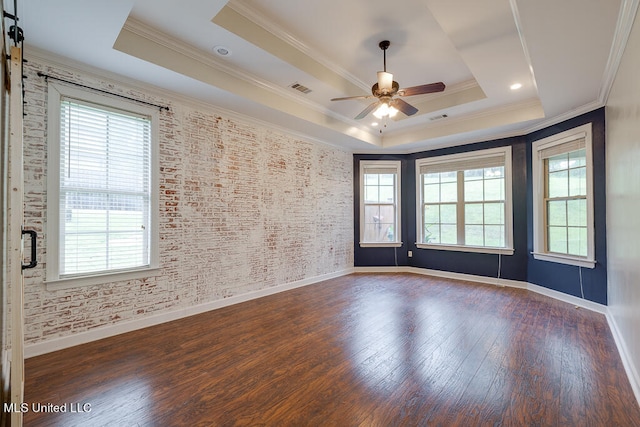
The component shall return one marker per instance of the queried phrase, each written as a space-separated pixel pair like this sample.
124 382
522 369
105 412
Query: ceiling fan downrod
384 45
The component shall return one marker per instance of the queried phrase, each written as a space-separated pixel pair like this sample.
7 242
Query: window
101 200
380 203
465 202
563 198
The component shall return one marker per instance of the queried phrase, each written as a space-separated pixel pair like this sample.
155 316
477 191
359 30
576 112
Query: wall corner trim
60 343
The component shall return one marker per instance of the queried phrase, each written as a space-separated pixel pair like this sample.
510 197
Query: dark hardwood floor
370 350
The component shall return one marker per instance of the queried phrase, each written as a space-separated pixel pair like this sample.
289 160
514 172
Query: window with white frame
380 203
464 202
102 202
563 198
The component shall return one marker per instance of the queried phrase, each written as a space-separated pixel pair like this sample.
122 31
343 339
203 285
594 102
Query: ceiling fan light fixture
385 110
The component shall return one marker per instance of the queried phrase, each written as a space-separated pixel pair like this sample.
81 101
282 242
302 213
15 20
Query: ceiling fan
388 92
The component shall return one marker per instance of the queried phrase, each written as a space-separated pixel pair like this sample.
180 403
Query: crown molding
165 96
624 25
518 22
146 32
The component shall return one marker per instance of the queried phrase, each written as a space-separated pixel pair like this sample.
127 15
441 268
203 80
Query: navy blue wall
566 278
520 266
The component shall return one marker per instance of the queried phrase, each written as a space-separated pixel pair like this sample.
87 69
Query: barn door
15 234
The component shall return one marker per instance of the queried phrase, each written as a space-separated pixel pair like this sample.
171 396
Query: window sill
100 279
380 245
477 249
579 262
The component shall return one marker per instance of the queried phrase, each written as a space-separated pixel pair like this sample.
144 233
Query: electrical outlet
410 253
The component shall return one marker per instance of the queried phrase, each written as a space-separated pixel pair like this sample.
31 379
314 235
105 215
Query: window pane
557 213
558 163
474 235
494 235
387 179
559 184
449 234
371 213
473 174
379 223
577 241
494 189
449 192
431 178
494 213
473 191
371 194
497 172
578 182
431 233
431 214
387 213
448 214
371 179
578 158
577 212
122 249
374 233
387 194
84 220
432 193
448 176
84 253
473 213
557 239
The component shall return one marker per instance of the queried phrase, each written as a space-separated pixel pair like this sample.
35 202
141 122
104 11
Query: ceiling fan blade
353 97
419 90
405 107
367 110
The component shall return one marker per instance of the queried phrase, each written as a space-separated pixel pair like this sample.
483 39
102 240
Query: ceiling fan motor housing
375 90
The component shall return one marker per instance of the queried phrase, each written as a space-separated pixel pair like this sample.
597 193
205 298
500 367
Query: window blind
105 189
568 146
380 170
469 163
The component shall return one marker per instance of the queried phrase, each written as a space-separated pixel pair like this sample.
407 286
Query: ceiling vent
439 117
300 88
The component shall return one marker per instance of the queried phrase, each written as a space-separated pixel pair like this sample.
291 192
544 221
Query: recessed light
222 50
374 124
515 86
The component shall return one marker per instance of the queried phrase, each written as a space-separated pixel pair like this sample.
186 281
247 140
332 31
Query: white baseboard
444 274
625 355
489 281
578 302
36 349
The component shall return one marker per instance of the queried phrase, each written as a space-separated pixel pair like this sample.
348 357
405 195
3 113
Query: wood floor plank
363 349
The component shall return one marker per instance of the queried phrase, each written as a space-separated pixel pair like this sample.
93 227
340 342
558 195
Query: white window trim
539 251
396 164
508 248
53 281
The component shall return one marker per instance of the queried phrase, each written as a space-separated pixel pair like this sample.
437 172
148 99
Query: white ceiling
564 53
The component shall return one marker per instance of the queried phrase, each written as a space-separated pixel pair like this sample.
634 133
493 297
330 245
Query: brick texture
242 208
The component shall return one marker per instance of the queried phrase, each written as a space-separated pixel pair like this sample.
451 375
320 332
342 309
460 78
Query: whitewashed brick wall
242 208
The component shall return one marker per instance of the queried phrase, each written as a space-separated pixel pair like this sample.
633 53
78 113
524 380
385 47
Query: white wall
243 208
623 200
